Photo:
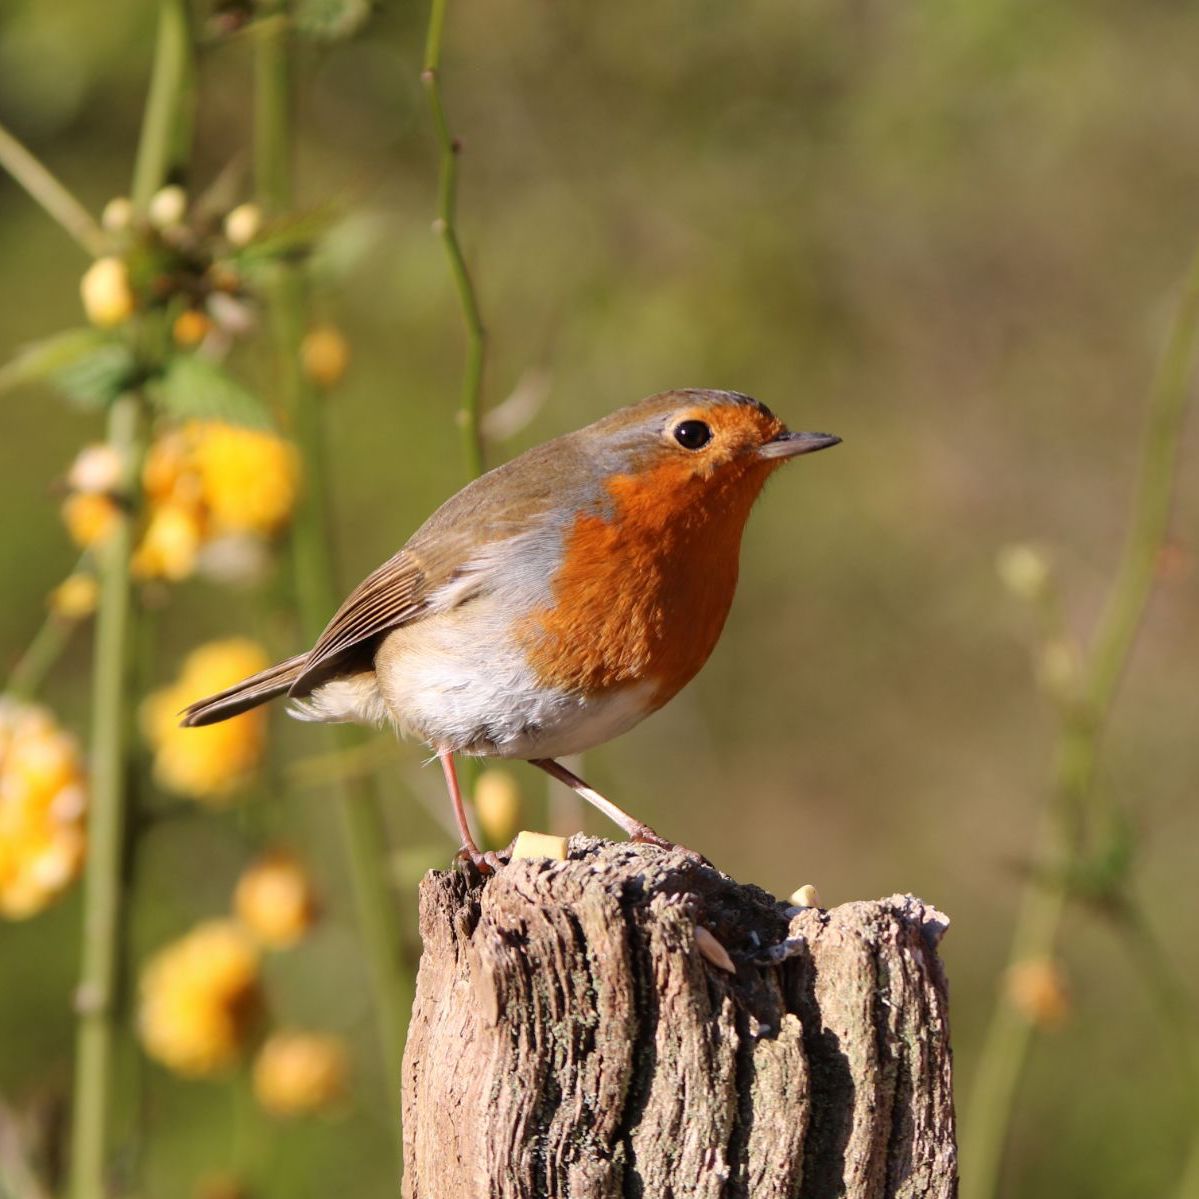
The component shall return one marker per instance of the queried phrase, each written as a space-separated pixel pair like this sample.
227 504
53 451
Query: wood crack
569 1039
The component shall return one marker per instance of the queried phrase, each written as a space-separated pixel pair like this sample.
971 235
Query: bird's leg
636 830
485 862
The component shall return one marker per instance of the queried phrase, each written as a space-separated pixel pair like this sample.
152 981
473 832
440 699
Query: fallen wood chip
538 845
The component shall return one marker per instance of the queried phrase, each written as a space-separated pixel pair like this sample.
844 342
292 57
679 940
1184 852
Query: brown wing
501 504
388 597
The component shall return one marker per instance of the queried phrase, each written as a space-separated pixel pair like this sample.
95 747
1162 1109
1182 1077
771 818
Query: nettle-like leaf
81 362
330 20
195 388
288 237
96 379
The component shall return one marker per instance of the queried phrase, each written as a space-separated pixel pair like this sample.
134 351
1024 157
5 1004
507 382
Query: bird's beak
788 445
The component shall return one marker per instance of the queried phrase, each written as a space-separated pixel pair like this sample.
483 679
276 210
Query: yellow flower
248 478
207 763
199 996
325 355
171 543
75 597
107 296
300 1072
42 808
167 472
1036 988
497 802
90 519
274 900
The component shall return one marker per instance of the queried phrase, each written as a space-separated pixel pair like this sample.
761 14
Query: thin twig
445 226
28 675
1074 799
59 203
166 129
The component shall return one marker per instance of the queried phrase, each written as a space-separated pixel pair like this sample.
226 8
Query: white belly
455 681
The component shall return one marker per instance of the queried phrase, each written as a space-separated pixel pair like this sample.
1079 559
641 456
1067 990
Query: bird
554 602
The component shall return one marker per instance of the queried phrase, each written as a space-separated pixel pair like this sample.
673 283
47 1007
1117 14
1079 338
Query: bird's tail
249 693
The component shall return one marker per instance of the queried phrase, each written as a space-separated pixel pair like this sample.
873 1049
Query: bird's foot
642 834
484 861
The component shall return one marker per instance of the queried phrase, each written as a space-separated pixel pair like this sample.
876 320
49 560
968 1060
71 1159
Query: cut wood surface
577 1032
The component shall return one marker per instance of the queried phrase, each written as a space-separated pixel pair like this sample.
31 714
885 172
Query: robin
552 603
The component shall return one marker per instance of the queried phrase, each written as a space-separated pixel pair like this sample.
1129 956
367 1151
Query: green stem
43 187
1176 1016
362 824
166 128
1122 614
470 410
96 996
163 133
1074 796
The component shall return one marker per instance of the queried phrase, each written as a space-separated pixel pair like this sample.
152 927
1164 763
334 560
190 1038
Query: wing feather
392 595
498 506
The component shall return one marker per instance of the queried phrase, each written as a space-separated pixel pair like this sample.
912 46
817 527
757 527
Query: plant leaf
97 378
331 20
288 237
194 388
45 358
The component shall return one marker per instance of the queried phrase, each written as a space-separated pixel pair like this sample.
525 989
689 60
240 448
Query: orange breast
643 595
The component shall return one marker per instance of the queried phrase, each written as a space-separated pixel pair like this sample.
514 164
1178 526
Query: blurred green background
952 234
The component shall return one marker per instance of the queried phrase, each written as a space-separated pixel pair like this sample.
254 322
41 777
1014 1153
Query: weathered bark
570 1039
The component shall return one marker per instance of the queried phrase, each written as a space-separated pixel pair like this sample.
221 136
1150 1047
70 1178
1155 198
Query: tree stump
576 1034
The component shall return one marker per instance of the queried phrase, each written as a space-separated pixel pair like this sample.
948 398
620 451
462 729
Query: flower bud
90 519
296 1073
497 802
1023 570
75 597
325 355
107 296
117 215
97 470
190 328
274 900
1036 988
168 207
243 223
1058 668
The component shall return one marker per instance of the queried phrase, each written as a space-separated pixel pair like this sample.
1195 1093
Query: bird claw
644 835
484 861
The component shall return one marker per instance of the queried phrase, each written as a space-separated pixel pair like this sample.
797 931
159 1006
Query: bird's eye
692 434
